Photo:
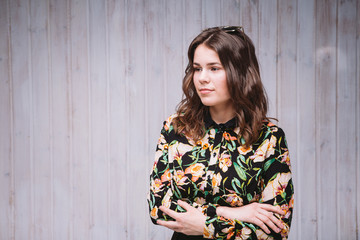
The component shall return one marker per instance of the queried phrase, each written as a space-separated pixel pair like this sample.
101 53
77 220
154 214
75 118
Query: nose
203 77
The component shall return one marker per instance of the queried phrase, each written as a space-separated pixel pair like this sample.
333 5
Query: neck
222 115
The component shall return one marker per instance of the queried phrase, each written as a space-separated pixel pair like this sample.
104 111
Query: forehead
204 54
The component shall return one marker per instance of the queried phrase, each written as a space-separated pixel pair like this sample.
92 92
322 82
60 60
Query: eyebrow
209 64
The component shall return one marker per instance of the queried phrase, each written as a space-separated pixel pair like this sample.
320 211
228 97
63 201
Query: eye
215 69
197 69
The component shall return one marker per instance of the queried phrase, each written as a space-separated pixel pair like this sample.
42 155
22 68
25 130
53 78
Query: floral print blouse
219 171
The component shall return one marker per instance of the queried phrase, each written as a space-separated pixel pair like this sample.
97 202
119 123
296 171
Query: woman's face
210 79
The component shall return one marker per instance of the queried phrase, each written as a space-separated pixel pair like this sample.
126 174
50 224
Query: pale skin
211 86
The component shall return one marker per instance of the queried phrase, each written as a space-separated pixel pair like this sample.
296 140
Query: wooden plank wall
86 84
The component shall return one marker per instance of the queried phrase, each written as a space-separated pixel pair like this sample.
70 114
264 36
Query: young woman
222 169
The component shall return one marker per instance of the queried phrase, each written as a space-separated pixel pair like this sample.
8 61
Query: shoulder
270 130
169 121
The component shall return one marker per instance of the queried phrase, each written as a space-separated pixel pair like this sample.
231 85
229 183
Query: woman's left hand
191 222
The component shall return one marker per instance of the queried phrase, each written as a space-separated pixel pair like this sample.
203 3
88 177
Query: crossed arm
192 222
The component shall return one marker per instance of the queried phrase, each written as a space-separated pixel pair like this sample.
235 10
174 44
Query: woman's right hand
260 214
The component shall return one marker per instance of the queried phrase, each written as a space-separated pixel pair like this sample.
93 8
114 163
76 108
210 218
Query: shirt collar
209 122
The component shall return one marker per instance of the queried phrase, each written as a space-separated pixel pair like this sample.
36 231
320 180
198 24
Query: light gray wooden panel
6 163
325 118
78 92
267 51
211 16
250 20
305 222
118 105
137 173
174 52
357 121
42 161
230 10
346 113
99 120
22 122
155 85
287 98
80 129
60 116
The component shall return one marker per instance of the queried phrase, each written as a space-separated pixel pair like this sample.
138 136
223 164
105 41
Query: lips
205 90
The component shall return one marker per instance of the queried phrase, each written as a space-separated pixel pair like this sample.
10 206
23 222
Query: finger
173 225
184 205
268 222
262 226
272 208
169 212
272 218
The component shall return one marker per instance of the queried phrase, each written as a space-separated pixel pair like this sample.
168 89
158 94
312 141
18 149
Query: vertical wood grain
287 82
81 131
60 116
305 222
136 189
42 161
22 122
99 119
267 51
346 113
118 107
86 84
357 121
230 13
250 20
6 174
211 13
325 118
173 54
155 81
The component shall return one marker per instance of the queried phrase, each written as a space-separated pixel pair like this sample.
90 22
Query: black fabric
180 236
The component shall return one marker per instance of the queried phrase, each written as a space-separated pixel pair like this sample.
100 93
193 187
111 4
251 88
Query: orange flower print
156 185
216 180
196 170
285 208
180 177
225 162
276 186
259 155
200 201
209 231
262 236
243 233
154 213
285 158
291 203
271 150
205 146
166 202
244 150
270 124
285 230
234 200
202 185
166 176
228 137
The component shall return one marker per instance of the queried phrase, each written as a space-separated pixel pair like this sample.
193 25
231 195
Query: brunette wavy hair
237 55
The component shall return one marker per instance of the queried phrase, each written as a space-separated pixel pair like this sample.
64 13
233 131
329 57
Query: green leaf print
268 163
241 173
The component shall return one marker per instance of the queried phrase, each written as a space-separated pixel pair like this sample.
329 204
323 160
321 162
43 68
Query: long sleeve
160 180
162 190
277 189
